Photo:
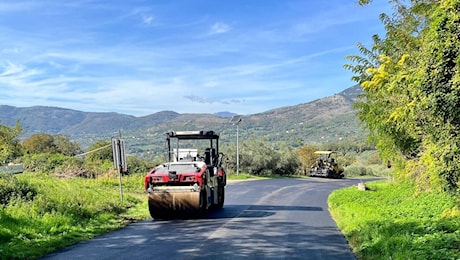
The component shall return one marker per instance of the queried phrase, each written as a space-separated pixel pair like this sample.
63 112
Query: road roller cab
190 182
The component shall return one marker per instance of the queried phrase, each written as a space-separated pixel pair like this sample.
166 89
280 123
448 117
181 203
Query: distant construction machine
326 166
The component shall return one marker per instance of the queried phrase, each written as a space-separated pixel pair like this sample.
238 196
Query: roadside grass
59 212
245 176
395 221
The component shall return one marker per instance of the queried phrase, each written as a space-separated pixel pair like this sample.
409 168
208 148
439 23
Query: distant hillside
323 120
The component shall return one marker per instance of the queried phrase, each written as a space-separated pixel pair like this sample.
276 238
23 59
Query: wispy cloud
15 74
207 100
219 28
147 19
10 69
17 6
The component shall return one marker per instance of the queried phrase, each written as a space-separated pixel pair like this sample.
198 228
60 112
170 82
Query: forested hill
327 119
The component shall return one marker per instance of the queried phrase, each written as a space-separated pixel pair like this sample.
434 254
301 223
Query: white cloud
10 51
147 19
219 28
14 6
200 99
10 69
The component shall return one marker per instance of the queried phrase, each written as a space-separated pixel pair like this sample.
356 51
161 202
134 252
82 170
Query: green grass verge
394 221
247 176
61 212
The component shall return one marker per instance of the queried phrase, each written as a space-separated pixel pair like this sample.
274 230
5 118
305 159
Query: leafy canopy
410 80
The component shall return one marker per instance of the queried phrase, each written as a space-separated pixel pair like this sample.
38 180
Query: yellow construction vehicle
326 166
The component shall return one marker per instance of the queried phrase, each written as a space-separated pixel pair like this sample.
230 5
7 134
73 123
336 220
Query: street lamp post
236 119
237 150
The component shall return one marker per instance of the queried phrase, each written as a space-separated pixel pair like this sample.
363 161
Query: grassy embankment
394 221
40 214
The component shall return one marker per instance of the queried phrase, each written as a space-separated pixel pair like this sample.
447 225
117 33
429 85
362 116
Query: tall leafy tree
65 146
10 147
307 157
100 152
388 74
411 89
441 87
39 143
46 143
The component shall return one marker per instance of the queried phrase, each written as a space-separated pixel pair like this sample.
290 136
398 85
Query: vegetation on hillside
58 155
321 121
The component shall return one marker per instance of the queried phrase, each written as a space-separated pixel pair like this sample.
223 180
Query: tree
65 146
441 87
258 157
288 161
46 143
388 74
39 143
411 89
100 151
10 147
307 157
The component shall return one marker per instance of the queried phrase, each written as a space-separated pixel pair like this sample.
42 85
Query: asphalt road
264 219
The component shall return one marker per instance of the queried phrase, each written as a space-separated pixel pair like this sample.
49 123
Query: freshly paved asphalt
264 219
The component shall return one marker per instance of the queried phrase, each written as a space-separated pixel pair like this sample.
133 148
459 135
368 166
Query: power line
95 150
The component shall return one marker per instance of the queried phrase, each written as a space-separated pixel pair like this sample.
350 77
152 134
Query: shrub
356 170
73 198
46 162
12 188
138 166
288 162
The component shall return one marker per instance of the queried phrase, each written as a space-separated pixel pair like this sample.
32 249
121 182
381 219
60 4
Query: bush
72 171
12 188
370 170
73 198
46 162
138 166
356 170
260 157
288 162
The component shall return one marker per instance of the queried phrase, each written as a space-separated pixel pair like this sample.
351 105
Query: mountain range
328 119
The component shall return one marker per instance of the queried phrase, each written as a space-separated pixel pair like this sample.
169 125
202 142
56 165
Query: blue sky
190 56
